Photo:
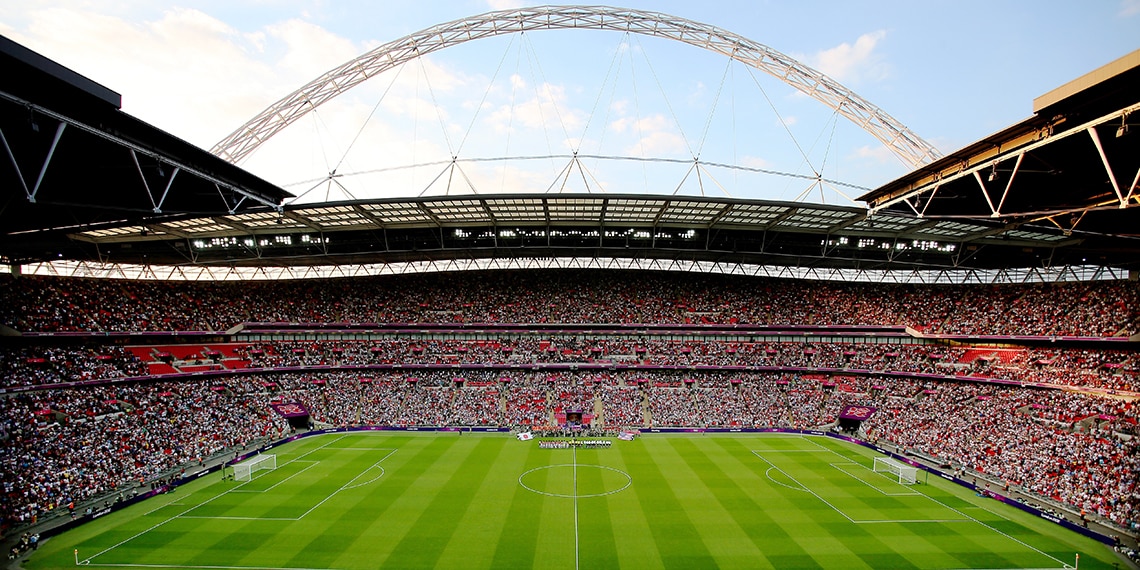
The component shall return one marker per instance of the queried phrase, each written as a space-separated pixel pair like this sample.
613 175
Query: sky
642 114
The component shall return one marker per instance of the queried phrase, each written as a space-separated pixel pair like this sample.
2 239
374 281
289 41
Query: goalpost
244 471
907 475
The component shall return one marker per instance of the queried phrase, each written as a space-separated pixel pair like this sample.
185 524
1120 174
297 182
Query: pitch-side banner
290 409
858 413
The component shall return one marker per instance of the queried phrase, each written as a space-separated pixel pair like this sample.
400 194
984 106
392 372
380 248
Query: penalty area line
273 486
87 561
970 518
349 484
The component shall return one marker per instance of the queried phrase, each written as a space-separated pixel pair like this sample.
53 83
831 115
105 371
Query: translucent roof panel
338 216
398 213
690 212
264 220
752 214
1035 236
813 219
517 210
123 231
199 226
950 229
881 224
575 209
622 210
464 211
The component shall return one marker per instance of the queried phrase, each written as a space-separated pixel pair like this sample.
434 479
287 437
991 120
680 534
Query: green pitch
407 500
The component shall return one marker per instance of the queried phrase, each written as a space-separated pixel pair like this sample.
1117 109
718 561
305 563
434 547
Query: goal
244 471
907 475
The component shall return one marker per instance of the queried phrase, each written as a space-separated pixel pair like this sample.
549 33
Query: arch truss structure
1000 276
905 144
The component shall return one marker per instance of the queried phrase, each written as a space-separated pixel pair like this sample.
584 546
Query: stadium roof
72 158
708 229
88 182
1074 165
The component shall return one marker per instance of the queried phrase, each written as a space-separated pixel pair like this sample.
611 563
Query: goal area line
89 561
811 440
807 489
839 467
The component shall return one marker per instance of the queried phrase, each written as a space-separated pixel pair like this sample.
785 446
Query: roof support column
146 185
985 194
1009 183
47 160
1104 160
31 193
166 192
1132 188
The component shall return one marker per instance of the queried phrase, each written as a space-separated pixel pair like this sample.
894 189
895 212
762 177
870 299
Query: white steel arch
908 146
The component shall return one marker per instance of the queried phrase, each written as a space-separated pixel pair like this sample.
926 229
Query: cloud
754 162
654 136
186 72
546 108
505 4
880 154
191 74
1129 8
852 62
310 50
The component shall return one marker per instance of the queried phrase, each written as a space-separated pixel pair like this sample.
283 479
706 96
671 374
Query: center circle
570 481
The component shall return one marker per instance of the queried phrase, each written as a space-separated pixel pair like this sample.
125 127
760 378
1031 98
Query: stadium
203 369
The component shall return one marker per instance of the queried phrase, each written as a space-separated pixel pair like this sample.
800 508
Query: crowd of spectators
1106 308
1103 369
22 366
1056 444
61 446
64 446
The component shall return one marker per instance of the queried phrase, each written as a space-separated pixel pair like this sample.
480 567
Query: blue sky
952 72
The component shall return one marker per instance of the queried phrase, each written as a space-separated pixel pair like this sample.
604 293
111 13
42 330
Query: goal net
244 471
906 474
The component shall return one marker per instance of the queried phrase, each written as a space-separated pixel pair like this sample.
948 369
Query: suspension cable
363 124
712 109
783 123
608 157
530 56
668 104
615 61
435 103
511 115
486 92
536 63
637 115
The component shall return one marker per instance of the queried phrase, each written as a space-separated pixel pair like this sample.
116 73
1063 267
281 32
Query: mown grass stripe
339 522
662 520
633 535
596 542
437 523
518 540
386 513
678 541
964 544
772 513
555 547
475 542
180 538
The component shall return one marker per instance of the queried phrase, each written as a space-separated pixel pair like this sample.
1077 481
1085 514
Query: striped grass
418 500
